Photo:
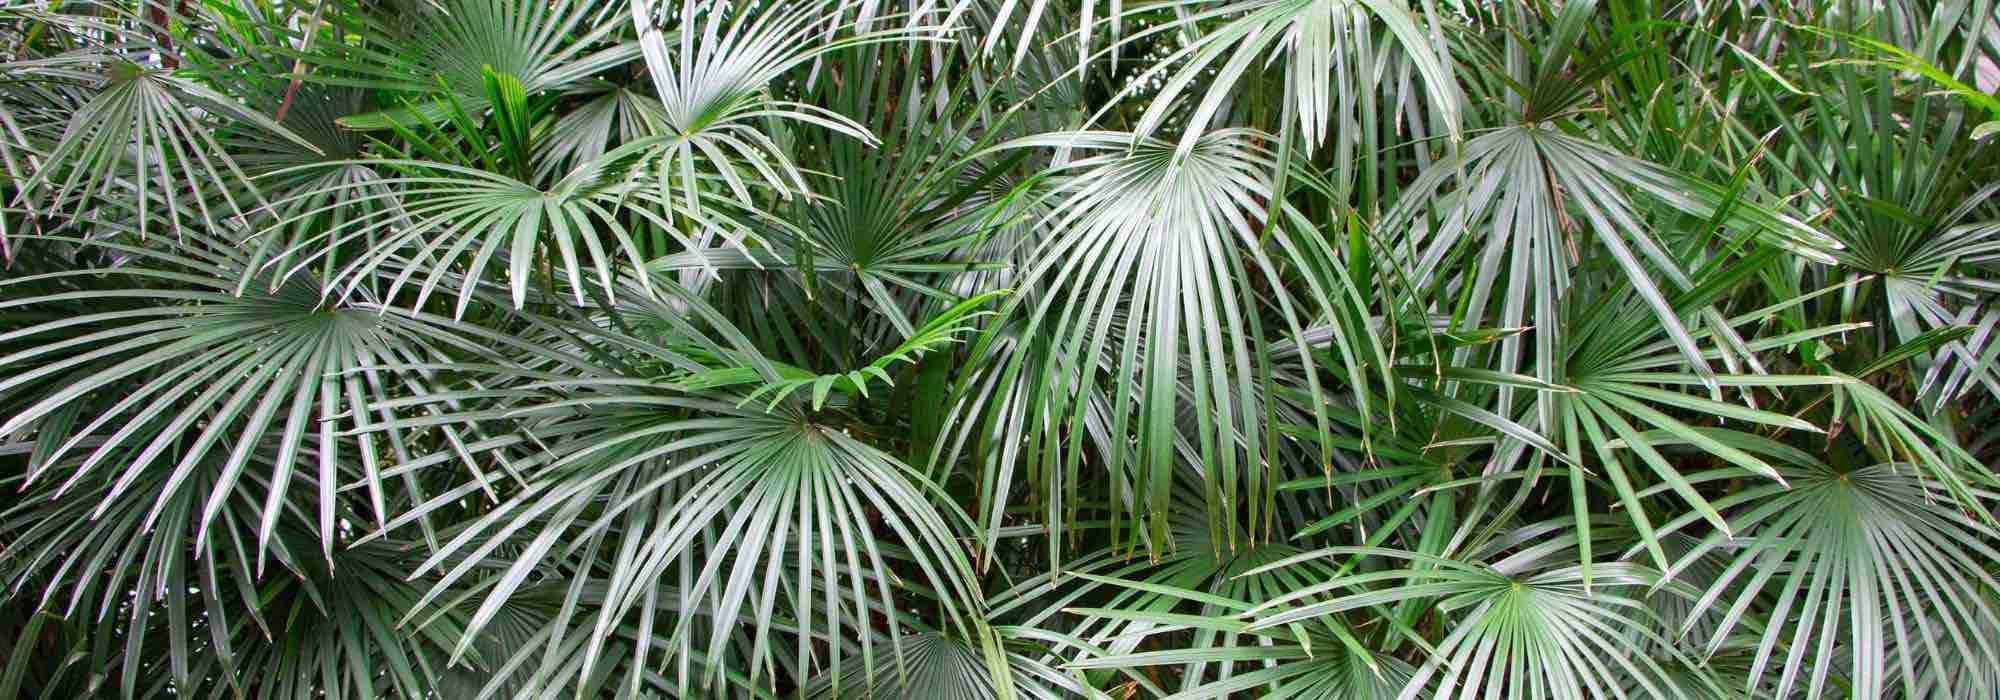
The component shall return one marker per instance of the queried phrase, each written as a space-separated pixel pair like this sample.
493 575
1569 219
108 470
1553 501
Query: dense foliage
1337 349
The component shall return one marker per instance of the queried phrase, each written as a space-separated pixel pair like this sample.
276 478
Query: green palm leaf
1526 626
1854 559
176 370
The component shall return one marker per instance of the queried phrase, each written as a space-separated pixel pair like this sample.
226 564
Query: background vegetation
1000 349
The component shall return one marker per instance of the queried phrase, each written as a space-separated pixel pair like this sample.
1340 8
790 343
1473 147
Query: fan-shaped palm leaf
1854 559
428 46
1525 626
744 509
1167 240
174 368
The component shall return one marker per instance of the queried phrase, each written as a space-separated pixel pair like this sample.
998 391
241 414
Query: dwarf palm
999 348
